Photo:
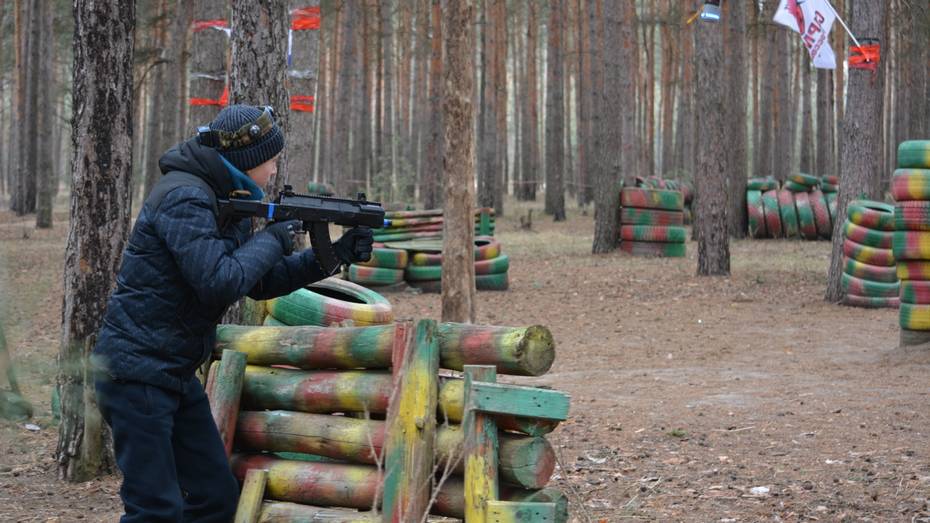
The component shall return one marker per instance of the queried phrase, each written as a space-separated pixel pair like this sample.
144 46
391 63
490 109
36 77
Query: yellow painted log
250 499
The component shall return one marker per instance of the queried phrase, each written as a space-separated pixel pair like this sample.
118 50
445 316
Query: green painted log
525 461
284 512
480 448
450 500
326 392
227 392
524 351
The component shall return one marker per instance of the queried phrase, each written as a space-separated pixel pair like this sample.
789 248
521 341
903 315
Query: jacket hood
203 162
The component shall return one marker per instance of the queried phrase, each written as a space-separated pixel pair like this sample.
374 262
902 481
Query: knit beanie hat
260 148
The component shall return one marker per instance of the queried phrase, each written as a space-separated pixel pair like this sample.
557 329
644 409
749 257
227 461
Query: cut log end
537 350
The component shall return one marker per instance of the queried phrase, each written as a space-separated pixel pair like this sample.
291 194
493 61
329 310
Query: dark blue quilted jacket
180 272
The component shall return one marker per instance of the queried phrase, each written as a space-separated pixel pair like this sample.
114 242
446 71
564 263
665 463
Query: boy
180 271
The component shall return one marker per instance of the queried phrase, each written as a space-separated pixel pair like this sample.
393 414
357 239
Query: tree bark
386 157
913 27
783 132
100 206
458 164
735 57
500 75
767 98
710 205
807 119
154 116
861 143
45 117
23 194
555 115
302 79
208 75
825 152
487 137
343 98
530 144
432 188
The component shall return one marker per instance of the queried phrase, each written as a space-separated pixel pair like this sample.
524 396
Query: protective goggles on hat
244 136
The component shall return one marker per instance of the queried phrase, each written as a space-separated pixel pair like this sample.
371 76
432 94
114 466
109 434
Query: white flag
812 19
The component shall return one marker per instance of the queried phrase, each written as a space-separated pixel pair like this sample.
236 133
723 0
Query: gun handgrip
323 247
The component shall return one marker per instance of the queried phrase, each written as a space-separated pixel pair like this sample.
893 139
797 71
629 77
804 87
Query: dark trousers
169 450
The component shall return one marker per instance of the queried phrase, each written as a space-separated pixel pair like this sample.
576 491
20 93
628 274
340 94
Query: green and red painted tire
915 292
912 216
789 214
869 272
865 236
667 250
831 204
632 216
756 214
910 184
642 198
652 233
821 214
762 184
913 270
493 266
871 214
808 180
772 214
866 254
796 187
387 258
871 303
911 245
914 317
329 302
483 282
806 223
829 188
914 154
870 289
374 276
830 178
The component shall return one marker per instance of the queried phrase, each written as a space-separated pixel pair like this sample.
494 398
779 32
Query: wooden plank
411 428
520 512
281 511
226 393
481 481
530 402
250 499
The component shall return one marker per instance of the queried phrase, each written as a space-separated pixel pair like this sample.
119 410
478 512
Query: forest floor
744 398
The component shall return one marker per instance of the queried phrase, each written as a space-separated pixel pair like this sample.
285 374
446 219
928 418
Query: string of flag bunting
303 19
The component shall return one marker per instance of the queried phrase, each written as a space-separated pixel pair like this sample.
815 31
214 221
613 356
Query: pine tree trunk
672 53
913 27
100 206
4 127
767 98
432 192
861 144
684 146
302 79
173 75
500 75
555 116
807 119
825 152
527 188
388 165
22 197
735 104
45 121
487 139
342 159
784 132
208 75
458 266
421 134
710 204
154 116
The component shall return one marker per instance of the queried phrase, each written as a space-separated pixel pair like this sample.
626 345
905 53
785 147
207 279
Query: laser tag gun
316 213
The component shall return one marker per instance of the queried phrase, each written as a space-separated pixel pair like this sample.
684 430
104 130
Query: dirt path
693 399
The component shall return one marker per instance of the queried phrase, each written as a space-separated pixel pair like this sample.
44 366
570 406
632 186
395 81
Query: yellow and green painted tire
756 214
483 282
806 223
374 276
914 317
387 258
866 236
911 245
871 303
915 292
914 154
652 233
497 265
789 214
870 289
913 270
486 248
912 216
866 254
910 184
332 301
871 214
869 272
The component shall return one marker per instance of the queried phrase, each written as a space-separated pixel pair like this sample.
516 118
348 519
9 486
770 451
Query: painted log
227 391
450 499
524 351
525 461
281 511
411 423
316 391
482 483
250 499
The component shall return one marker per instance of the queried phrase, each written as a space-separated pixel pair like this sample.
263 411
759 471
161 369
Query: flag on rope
812 19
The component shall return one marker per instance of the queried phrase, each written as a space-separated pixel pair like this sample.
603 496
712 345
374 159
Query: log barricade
359 424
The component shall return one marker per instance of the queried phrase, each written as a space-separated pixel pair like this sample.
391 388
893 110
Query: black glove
354 245
286 233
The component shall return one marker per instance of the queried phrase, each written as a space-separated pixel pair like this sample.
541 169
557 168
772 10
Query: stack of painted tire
684 186
801 209
410 225
869 276
385 268
341 421
910 187
329 302
651 222
491 268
